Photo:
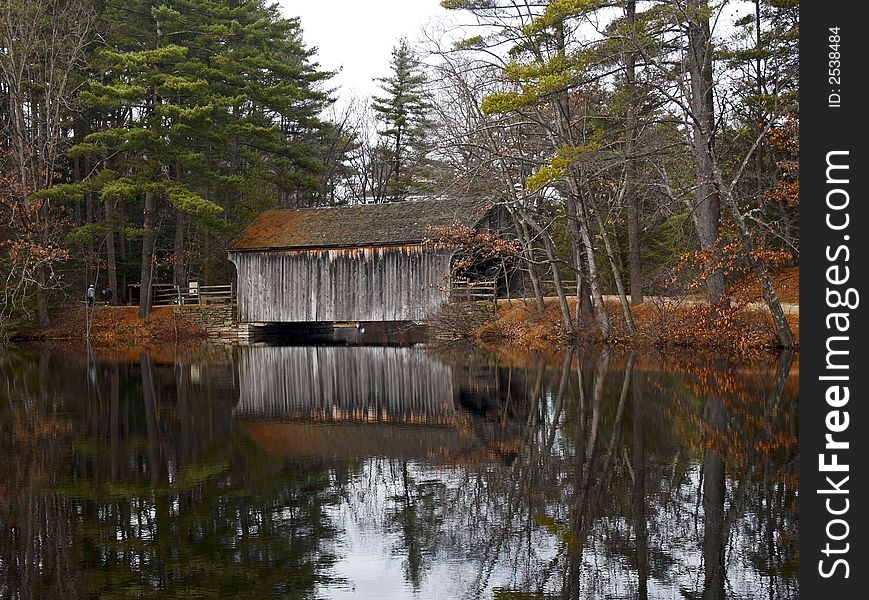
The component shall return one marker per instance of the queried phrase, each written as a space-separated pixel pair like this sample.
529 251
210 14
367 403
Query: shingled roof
351 226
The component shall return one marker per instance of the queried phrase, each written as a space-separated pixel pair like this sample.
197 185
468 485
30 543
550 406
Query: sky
357 36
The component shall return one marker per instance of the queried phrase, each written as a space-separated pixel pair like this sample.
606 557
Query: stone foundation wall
218 320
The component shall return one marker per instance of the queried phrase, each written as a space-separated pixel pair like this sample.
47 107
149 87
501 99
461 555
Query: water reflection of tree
131 485
35 545
609 475
414 517
632 479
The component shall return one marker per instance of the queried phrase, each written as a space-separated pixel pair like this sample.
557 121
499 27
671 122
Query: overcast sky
357 36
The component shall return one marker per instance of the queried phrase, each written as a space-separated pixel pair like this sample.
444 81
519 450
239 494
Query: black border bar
834 425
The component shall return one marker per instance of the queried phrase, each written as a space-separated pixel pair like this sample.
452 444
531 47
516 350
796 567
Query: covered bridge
349 263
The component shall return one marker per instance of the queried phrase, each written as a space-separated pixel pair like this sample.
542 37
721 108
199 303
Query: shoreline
117 326
673 324
676 324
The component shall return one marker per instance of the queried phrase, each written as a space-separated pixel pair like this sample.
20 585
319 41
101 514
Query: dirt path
674 301
789 308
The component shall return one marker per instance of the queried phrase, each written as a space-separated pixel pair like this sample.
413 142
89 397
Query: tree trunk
617 276
206 270
178 271
714 489
556 276
584 313
112 265
156 465
397 166
706 205
41 297
600 314
569 328
631 196
565 136
525 239
639 491
89 219
149 241
122 255
782 327
179 275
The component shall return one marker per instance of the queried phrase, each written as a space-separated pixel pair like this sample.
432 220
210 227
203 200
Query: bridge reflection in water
356 402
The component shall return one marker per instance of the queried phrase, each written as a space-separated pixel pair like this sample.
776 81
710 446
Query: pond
396 471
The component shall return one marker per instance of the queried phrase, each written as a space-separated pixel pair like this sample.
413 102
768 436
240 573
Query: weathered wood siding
399 283
370 383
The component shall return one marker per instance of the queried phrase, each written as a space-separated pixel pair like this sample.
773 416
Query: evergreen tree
403 112
202 96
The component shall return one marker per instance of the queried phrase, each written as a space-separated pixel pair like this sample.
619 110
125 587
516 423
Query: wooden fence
466 290
548 287
167 293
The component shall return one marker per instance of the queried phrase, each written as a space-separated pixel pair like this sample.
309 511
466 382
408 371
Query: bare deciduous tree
42 45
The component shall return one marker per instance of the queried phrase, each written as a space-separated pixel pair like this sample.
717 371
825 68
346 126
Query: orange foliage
120 325
735 330
753 430
476 247
786 139
693 268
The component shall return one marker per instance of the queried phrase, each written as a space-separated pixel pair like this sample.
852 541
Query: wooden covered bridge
350 263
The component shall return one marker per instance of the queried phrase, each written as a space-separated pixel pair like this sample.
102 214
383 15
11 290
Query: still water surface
395 472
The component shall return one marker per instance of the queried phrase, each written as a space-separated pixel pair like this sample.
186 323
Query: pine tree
403 112
204 99
156 101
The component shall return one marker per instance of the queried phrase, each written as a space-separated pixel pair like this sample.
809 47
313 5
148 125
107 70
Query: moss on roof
394 223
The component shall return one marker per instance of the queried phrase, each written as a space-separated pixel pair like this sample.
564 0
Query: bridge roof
388 224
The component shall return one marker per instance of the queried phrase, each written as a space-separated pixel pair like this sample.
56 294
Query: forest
642 148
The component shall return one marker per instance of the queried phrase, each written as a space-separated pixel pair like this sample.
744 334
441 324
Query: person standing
90 295
108 294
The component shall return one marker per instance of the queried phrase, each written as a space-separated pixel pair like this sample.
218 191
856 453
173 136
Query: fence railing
167 293
163 294
465 290
548 285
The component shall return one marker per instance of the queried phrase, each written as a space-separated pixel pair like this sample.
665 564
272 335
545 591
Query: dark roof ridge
375 205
